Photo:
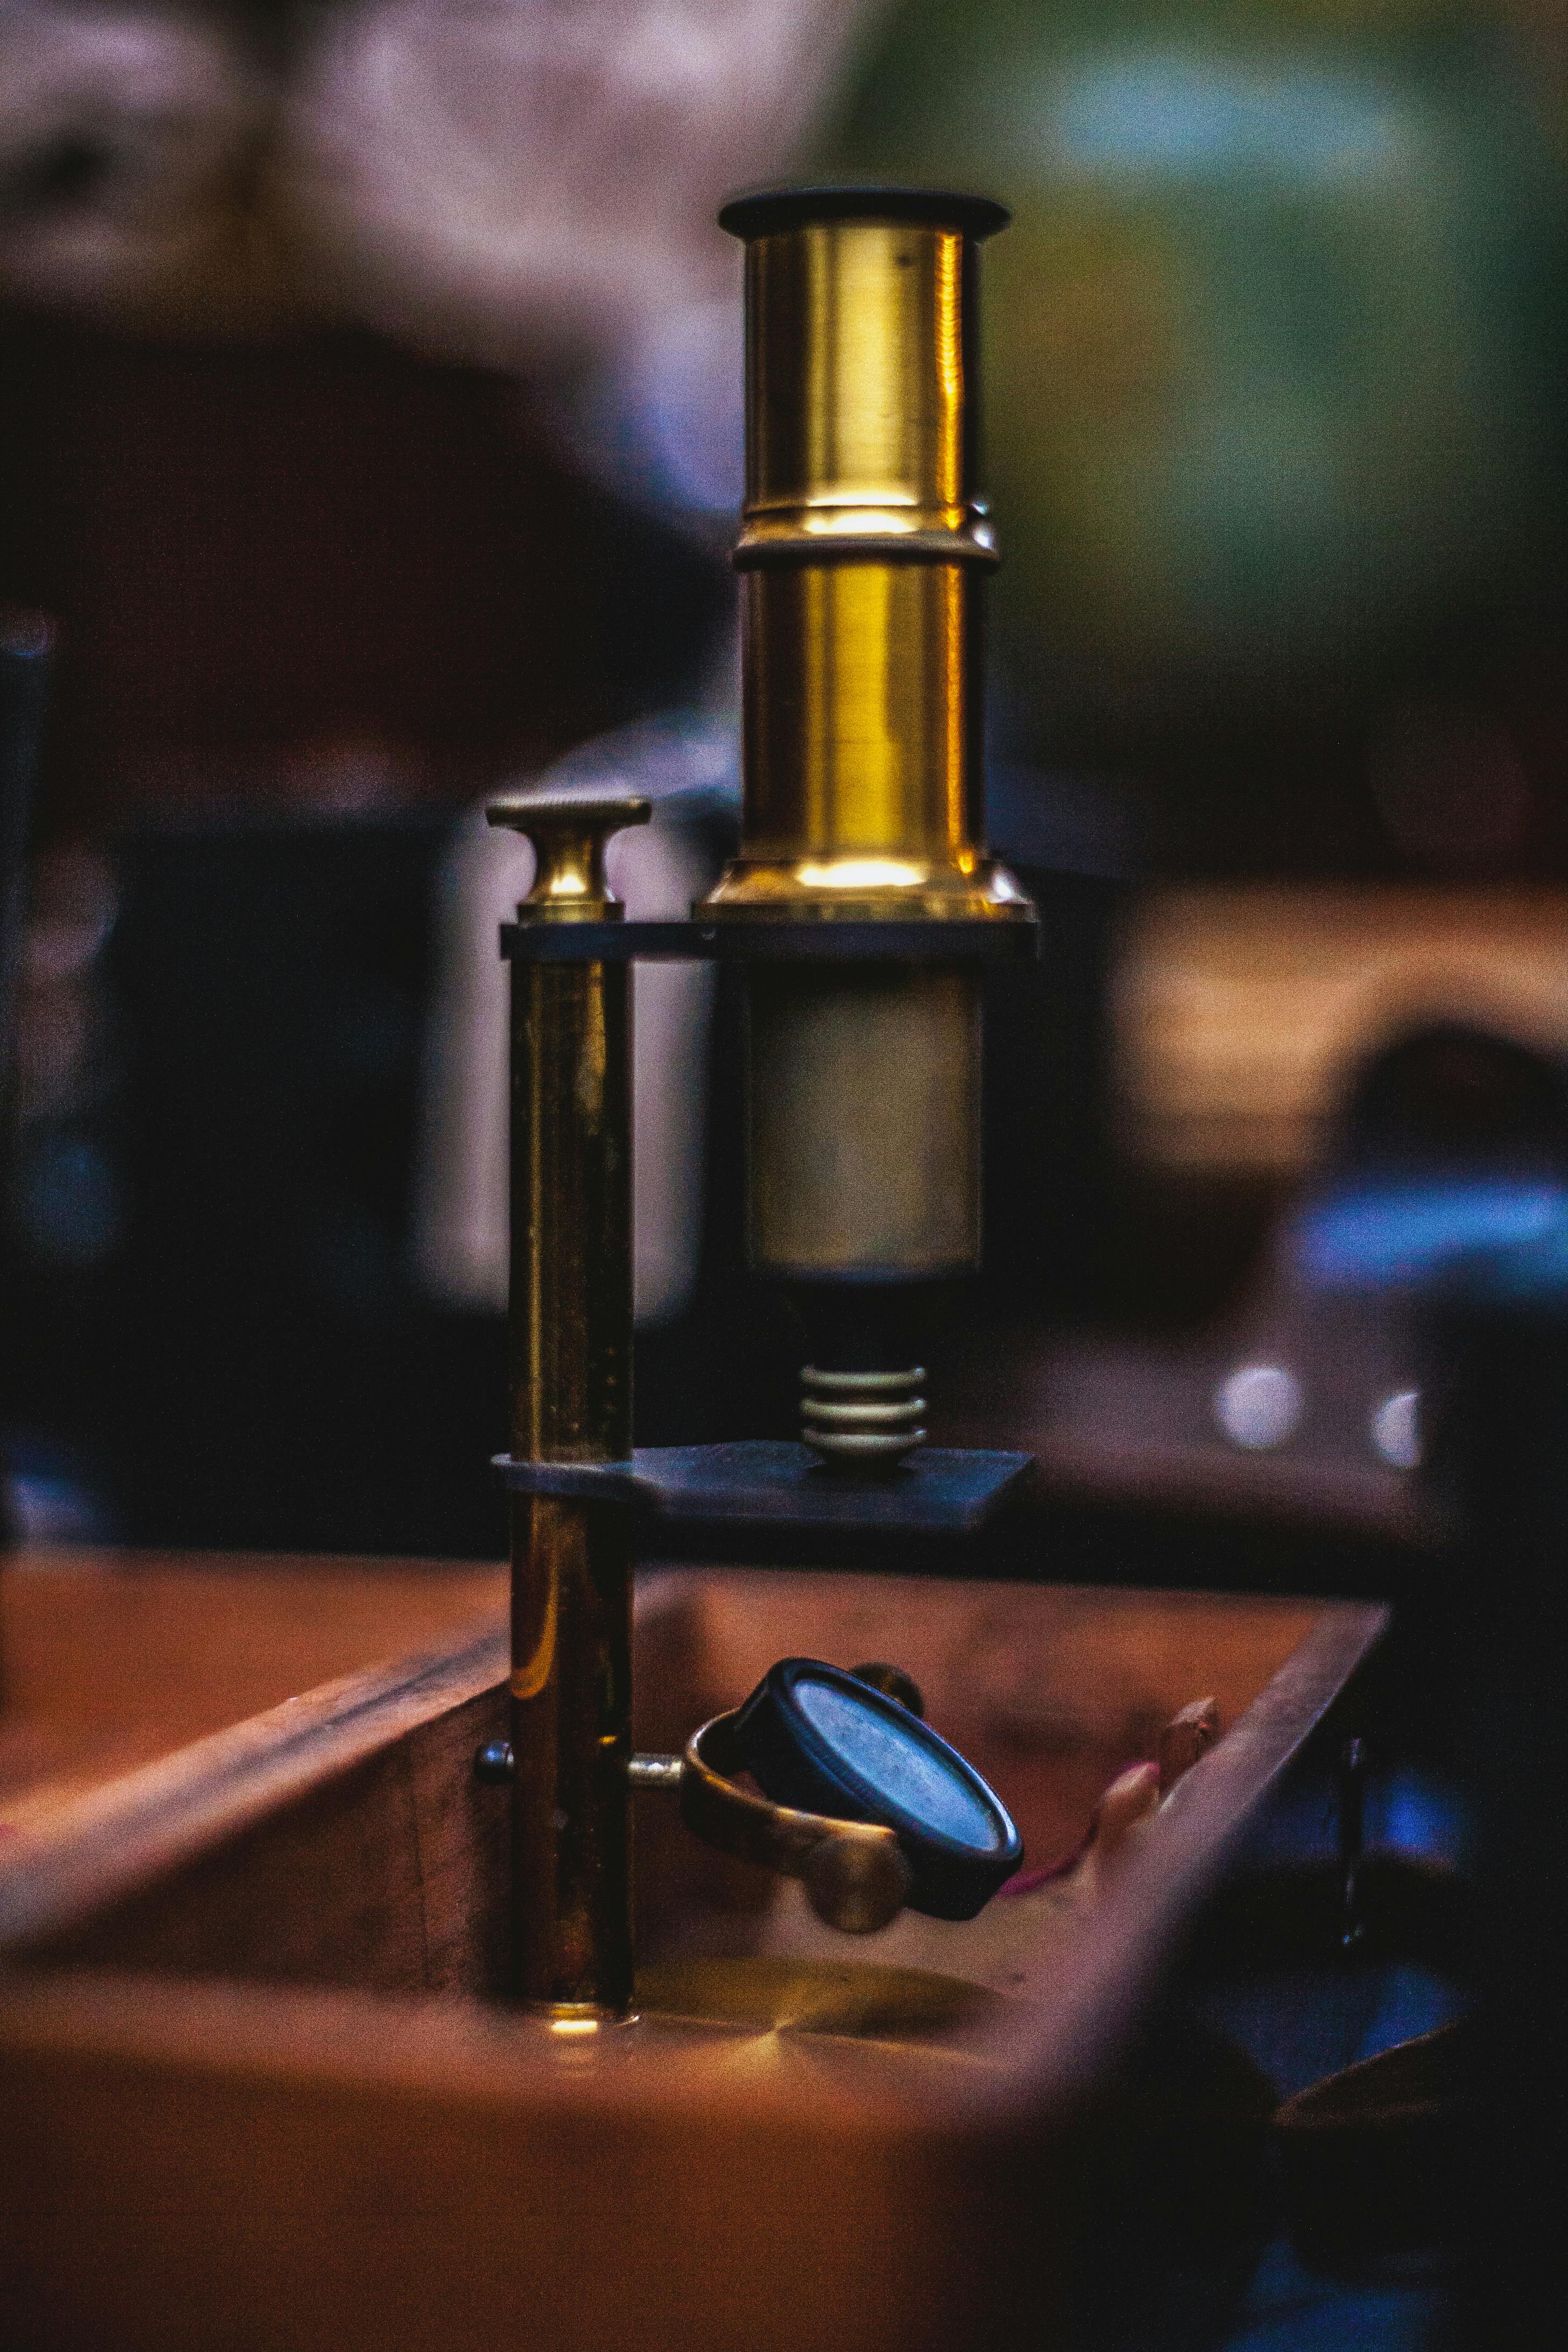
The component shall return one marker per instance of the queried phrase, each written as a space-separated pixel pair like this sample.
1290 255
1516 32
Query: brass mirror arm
855 1872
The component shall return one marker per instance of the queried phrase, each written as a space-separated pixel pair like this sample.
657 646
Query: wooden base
248 2015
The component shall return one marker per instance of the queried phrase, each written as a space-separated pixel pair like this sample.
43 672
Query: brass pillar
570 1402
863 550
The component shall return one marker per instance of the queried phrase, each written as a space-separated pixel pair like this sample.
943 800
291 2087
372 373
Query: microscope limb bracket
957 940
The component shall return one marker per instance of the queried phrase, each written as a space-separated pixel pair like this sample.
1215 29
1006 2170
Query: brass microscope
862 907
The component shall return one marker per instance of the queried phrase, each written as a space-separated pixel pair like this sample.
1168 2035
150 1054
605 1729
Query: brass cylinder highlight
864 544
570 1402
857 720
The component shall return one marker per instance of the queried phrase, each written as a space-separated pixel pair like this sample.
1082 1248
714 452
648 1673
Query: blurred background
370 385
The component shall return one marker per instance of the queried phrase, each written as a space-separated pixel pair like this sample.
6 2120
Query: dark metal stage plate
764 1482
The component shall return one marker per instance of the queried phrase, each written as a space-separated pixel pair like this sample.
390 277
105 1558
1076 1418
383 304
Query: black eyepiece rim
767 212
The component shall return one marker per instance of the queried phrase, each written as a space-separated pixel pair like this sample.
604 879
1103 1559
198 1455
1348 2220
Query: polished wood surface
112 1658
263 2107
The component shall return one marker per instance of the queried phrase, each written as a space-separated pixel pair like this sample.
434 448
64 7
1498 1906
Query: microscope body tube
863 551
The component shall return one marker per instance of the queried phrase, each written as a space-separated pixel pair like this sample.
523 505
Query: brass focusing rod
863 550
570 1402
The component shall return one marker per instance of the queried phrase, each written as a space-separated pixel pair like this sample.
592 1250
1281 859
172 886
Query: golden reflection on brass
856 719
570 1402
863 544
858 366
861 755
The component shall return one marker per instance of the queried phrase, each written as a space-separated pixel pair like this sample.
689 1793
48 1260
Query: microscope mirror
819 1739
